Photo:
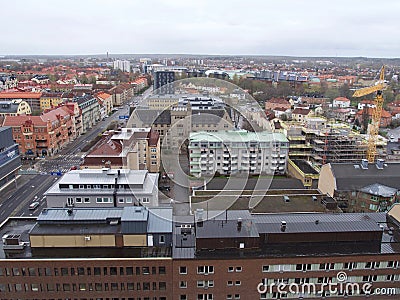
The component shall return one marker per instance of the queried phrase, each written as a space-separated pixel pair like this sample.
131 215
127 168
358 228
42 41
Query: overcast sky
270 27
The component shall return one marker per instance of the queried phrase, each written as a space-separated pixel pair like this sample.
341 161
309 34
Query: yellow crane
379 86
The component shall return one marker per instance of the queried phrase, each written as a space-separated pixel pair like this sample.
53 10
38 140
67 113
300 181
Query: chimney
380 163
239 224
283 226
364 164
119 172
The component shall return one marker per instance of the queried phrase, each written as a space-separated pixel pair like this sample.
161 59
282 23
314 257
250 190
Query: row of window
138 298
321 280
330 266
68 287
82 271
71 200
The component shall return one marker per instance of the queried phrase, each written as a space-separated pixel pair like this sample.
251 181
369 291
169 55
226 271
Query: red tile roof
20 95
342 99
301 111
385 114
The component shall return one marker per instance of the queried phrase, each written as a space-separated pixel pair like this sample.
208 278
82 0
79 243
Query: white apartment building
104 188
123 65
240 151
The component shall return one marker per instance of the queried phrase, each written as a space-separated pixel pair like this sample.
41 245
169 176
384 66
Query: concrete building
50 100
105 102
162 82
8 81
114 252
121 94
14 108
341 102
123 65
90 111
10 160
175 123
42 135
76 116
233 152
104 188
361 186
33 99
131 148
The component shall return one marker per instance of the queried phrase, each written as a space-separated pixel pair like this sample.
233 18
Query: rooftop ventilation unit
364 164
380 164
283 226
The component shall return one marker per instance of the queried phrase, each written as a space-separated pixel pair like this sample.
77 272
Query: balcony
194 154
226 155
226 168
203 155
245 162
247 155
192 163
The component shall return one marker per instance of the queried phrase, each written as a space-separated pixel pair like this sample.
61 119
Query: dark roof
265 183
154 116
304 166
352 177
227 229
208 116
8 107
306 222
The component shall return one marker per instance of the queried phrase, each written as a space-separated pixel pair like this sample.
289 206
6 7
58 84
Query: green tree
331 93
344 91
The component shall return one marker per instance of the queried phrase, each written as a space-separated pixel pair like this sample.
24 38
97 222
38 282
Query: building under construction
320 142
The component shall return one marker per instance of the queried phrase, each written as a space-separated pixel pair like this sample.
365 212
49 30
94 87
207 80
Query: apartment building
42 135
14 108
90 111
50 100
132 148
121 94
104 188
240 151
139 253
33 99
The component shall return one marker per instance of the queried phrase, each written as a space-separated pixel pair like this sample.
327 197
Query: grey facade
90 111
10 160
102 188
162 80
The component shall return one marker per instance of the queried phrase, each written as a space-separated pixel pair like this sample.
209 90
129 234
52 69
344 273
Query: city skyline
179 27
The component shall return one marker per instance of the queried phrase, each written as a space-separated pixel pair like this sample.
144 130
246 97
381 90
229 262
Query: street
15 200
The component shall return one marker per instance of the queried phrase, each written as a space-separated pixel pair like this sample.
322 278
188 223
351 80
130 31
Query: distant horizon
2 56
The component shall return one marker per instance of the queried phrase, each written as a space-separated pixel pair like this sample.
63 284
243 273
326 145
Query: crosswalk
61 163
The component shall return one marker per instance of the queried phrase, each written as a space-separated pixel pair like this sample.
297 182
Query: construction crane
373 128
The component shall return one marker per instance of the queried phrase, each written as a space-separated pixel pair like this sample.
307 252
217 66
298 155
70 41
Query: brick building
134 253
42 135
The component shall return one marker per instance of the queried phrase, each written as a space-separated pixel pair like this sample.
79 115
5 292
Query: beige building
50 100
14 108
132 148
175 124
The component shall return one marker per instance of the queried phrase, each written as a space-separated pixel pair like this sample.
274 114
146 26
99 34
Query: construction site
319 141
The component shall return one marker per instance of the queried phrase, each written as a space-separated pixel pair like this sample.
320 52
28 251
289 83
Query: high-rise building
123 65
162 80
